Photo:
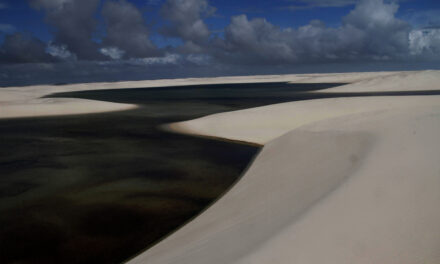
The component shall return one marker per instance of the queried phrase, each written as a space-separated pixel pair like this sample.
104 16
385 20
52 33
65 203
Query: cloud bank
369 33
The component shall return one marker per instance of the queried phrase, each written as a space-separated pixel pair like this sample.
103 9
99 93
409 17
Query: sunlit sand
347 180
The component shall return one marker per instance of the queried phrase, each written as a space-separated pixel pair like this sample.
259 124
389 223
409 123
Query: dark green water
100 188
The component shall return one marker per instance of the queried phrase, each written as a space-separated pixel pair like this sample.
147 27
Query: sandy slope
356 180
362 188
386 210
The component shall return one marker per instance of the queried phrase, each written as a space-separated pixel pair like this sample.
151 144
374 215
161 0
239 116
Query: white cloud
373 13
199 59
186 17
370 32
425 41
112 52
167 59
60 51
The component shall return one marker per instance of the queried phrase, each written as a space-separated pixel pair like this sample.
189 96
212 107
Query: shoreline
29 101
174 128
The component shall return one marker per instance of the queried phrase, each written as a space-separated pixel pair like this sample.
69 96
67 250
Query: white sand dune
350 180
398 81
357 189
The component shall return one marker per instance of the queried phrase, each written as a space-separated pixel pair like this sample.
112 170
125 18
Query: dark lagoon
100 188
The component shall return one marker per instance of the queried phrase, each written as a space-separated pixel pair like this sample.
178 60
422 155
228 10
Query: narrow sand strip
263 124
59 107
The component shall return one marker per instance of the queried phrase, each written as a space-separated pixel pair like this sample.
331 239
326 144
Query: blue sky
22 17
180 36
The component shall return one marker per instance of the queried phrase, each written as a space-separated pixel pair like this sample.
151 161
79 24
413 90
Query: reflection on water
99 188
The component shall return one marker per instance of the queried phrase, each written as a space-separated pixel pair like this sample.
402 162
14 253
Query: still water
100 188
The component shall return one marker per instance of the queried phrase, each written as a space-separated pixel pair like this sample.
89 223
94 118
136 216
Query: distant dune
28 101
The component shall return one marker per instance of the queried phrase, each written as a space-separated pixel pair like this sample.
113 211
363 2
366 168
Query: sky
69 41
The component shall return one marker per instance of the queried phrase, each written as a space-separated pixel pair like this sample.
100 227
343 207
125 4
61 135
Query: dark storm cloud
370 37
370 32
23 48
186 20
254 40
73 23
126 31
